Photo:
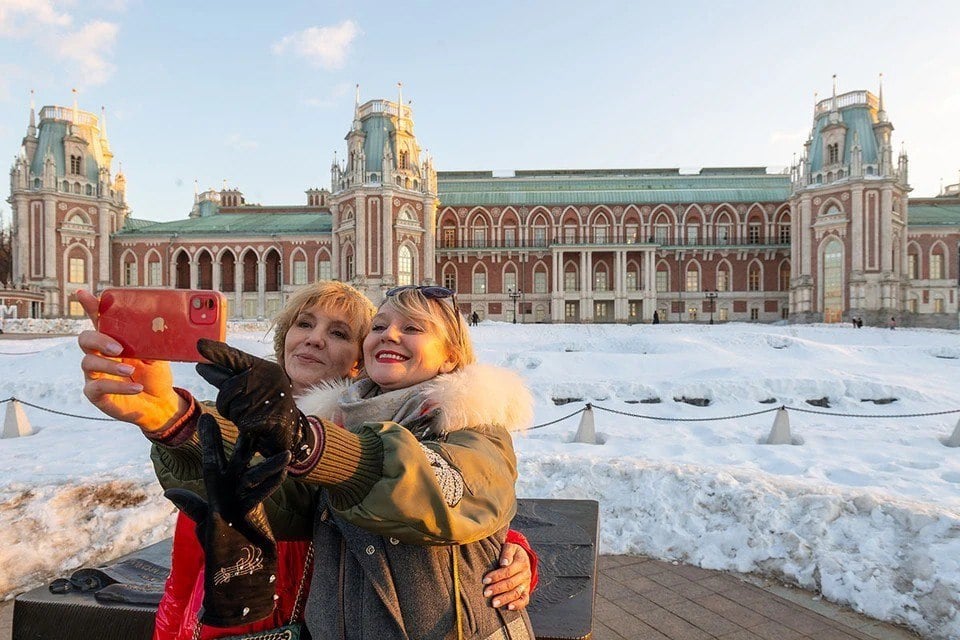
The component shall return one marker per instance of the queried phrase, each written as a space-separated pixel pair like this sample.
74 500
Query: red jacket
183 593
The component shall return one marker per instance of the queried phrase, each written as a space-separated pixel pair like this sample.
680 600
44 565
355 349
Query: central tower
384 202
849 209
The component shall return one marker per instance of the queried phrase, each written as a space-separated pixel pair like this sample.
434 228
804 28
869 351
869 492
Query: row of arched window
480 231
695 277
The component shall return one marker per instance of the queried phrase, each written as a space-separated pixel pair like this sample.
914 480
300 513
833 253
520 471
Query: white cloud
325 47
89 49
238 143
86 50
21 18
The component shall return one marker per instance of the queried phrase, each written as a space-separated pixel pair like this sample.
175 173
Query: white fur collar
474 396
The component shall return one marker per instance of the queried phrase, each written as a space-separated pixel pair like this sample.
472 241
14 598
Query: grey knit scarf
364 401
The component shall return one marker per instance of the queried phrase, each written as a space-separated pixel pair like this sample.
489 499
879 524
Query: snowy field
865 510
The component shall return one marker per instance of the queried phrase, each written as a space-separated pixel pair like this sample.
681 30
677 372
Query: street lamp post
514 295
712 297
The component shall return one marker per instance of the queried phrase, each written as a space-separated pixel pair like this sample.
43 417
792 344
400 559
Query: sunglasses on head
428 291
434 293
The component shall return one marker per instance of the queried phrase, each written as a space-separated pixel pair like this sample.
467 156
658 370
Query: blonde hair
329 295
443 316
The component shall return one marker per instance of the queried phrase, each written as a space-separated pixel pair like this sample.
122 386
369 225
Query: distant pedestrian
859 322
656 318
893 323
853 321
474 319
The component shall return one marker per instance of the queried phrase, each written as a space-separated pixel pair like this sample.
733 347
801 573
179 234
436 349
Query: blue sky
261 95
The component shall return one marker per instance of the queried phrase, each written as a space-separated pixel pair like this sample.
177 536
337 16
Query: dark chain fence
590 405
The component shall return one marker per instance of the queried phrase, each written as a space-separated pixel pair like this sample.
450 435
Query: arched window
204 271
404 266
509 280
450 277
228 270
130 270
693 278
274 275
832 280
479 281
753 277
78 268
571 279
299 269
449 236
250 271
479 231
183 270
324 268
723 278
784 277
540 279
936 264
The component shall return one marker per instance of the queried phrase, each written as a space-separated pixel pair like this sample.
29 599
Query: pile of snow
866 510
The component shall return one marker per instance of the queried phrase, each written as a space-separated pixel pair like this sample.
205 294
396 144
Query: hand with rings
509 586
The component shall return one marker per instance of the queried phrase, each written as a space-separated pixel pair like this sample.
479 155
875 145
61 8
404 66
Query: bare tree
6 251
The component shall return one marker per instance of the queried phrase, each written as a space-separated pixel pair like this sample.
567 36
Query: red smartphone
162 324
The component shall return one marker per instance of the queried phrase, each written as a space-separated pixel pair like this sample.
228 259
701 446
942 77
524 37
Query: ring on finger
521 591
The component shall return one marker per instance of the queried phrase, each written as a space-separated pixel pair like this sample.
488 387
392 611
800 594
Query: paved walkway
643 599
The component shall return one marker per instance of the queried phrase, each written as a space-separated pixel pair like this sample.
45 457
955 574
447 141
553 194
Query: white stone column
261 287
21 237
334 244
856 228
103 242
194 271
360 250
50 239
886 229
619 286
586 288
430 240
237 288
387 241
806 217
216 276
557 294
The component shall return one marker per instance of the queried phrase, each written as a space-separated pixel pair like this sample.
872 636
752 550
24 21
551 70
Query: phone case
162 324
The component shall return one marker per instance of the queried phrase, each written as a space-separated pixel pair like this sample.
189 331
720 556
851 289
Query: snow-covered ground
864 509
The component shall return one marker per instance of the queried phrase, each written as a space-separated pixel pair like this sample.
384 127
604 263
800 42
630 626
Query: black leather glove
256 395
240 552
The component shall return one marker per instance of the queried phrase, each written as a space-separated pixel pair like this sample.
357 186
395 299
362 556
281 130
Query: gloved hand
256 395
240 552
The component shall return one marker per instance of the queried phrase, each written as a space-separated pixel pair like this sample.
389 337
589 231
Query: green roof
929 212
255 224
859 120
598 187
50 135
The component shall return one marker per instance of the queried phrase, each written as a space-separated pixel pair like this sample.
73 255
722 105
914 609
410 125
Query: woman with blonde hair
417 469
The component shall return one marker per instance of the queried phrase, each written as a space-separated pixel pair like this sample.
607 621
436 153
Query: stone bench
563 533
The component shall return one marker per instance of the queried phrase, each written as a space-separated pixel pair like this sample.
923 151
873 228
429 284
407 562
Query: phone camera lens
197 303
210 304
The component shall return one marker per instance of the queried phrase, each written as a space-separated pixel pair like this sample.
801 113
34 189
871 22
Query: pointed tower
383 202
65 207
849 212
